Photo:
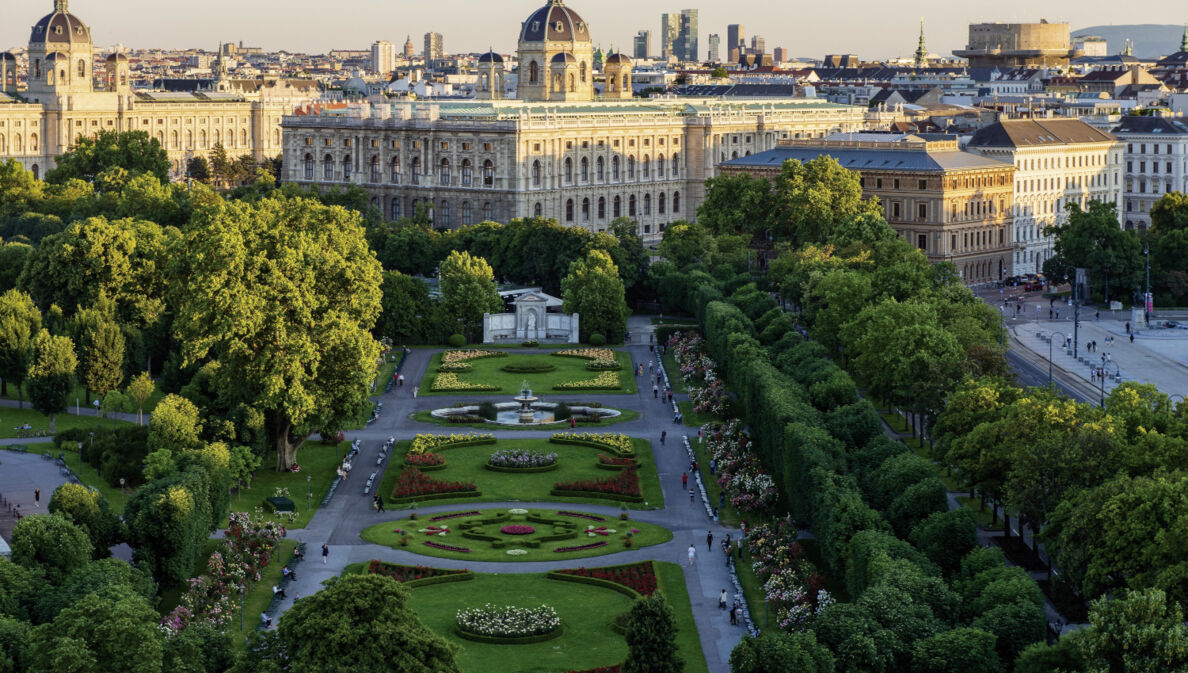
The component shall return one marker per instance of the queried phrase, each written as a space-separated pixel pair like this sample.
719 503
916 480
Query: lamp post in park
1050 340
122 494
308 492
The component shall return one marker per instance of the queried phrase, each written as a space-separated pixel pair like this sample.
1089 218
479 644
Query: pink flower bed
592 545
516 529
447 547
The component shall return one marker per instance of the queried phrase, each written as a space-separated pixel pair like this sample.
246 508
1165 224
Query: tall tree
651 638
776 652
134 151
594 290
685 243
100 348
175 425
89 510
629 255
1137 632
52 543
339 628
140 389
20 321
810 200
283 293
467 292
73 268
967 650
1093 239
51 374
114 631
408 315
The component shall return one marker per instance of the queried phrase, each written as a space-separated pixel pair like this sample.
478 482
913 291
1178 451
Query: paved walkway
340 522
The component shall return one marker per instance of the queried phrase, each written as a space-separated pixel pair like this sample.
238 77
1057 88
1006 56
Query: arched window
583 72
328 167
536 210
617 207
161 139
602 207
415 170
647 204
631 206
62 76
445 171
202 138
489 211
395 207
395 168
488 173
647 166
243 138
309 167
466 213
533 72
346 168
630 168
412 207
443 214
568 170
2 143
600 169
189 140
572 83
535 173
276 138
375 169
626 82
217 137
676 202
173 142
676 165
82 68
484 85
569 210
467 173
585 210
37 68
18 143
660 199
615 168
660 166
585 169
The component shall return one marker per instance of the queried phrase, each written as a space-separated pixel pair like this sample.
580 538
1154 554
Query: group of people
735 609
377 503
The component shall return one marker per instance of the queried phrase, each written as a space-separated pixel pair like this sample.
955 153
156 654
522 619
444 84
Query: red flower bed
638 576
424 459
517 529
413 483
615 460
443 517
581 515
447 547
403 573
624 483
592 545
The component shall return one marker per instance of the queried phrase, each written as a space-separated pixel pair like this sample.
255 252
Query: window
895 209
395 207
309 167
467 173
585 210
878 183
617 207
660 202
922 211
412 208
328 168
585 170
568 173
676 168
660 166
488 173
346 168
536 210
375 169
923 184
615 168
443 214
569 210
445 171
583 72
602 207
630 168
535 173
415 169
631 206
647 204
489 211
395 170
600 169
466 213
676 202
922 241
647 163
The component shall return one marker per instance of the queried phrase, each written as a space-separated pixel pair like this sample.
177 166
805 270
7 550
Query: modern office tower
670 30
715 43
758 45
687 49
643 44
736 37
383 57
779 55
434 47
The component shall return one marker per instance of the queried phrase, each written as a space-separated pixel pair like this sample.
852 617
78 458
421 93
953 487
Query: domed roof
6 56
564 57
56 56
555 23
60 27
618 59
113 58
490 57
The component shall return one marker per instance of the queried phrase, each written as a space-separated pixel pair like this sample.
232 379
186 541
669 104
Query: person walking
325 552
692 497
700 434
379 502
709 540
721 499
684 480
572 423
722 600
663 435
37 497
692 554
733 617
655 391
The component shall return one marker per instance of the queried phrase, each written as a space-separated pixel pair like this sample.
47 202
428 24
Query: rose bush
521 458
509 621
413 483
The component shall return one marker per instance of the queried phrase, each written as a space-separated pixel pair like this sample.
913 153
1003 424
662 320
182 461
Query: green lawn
86 474
624 416
694 419
80 394
985 516
489 371
480 550
674 372
317 460
573 463
895 421
672 585
727 515
260 595
11 418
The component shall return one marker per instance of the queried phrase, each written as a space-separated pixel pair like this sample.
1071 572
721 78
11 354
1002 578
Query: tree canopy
133 151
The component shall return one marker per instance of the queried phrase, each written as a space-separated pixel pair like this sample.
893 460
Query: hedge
596 494
539 368
426 468
588 444
440 579
605 584
506 640
435 496
522 470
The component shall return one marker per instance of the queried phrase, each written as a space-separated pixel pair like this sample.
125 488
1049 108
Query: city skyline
474 26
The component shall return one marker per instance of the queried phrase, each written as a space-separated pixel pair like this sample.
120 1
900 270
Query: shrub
519 458
531 343
413 483
425 443
623 485
509 621
488 411
423 460
456 340
639 577
528 368
619 444
404 573
562 412
604 365
597 339
470 354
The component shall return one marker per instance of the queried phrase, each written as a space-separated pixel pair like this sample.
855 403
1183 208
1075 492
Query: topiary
456 340
597 339
488 411
531 343
562 412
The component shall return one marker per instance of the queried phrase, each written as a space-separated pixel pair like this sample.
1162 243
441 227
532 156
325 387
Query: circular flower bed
517 529
508 621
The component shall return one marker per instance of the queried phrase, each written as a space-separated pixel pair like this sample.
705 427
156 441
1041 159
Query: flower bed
584 547
447 547
604 365
587 353
790 583
469 354
639 577
517 529
403 573
619 444
615 462
509 621
455 367
412 484
623 486
604 381
449 382
581 515
425 461
426 443
443 517
521 458
739 469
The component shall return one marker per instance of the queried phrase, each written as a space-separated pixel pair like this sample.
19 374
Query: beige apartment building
953 205
1018 45
1057 162
60 103
558 151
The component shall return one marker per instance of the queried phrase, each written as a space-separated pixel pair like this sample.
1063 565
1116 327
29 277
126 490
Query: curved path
340 522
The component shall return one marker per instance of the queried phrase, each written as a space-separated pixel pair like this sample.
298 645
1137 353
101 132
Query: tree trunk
3 387
286 447
1006 524
53 426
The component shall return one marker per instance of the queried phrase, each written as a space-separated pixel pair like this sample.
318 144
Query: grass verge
11 418
694 419
318 462
674 372
672 585
985 516
489 371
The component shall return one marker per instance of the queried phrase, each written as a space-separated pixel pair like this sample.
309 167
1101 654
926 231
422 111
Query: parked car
1033 286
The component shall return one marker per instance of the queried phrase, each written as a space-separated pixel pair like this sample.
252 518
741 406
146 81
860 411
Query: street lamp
121 494
91 449
308 492
1050 340
1147 294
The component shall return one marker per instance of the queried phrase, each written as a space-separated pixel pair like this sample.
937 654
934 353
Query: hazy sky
870 29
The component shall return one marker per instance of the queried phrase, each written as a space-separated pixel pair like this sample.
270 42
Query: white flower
517 511
516 552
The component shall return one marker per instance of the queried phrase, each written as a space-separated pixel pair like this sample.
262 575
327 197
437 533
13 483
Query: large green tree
1137 632
169 521
962 649
361 623
651 638
114 630
1168 241
467 292
134 151
408 315
100 346
594 290
283 293
777 652
20 322
52 543
1093 239
88 509
51 374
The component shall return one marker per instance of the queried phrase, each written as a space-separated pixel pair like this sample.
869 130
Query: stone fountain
526 413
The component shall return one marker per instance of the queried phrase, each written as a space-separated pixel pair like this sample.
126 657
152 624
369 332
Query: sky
873 30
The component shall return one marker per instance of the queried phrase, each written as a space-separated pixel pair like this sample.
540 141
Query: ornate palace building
60 103
559 151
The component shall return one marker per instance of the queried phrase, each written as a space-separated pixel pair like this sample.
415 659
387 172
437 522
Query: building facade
670 31
434 47
952 205
736 37
715 46
1018 45
1156 164
643 45
1057 162
687 47
383 57
61 103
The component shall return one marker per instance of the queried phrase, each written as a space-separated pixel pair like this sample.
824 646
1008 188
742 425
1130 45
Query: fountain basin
537 413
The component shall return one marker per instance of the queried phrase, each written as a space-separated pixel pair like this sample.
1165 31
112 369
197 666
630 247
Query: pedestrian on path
325 552
692 497
722 600
670 394
684 480
1132 338
37 497
709 540
401 383
655 391
572 423
379 501
692 554
663 434
651 368
700 434
733 616
415 389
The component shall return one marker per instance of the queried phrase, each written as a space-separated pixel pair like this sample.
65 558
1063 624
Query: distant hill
1150 40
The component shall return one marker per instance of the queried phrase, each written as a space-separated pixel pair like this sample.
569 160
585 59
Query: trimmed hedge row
436 496
522 470
605 584
596 494
427 468
440 579
507 640
539 368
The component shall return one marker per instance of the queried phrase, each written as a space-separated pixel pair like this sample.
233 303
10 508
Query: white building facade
1156 164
